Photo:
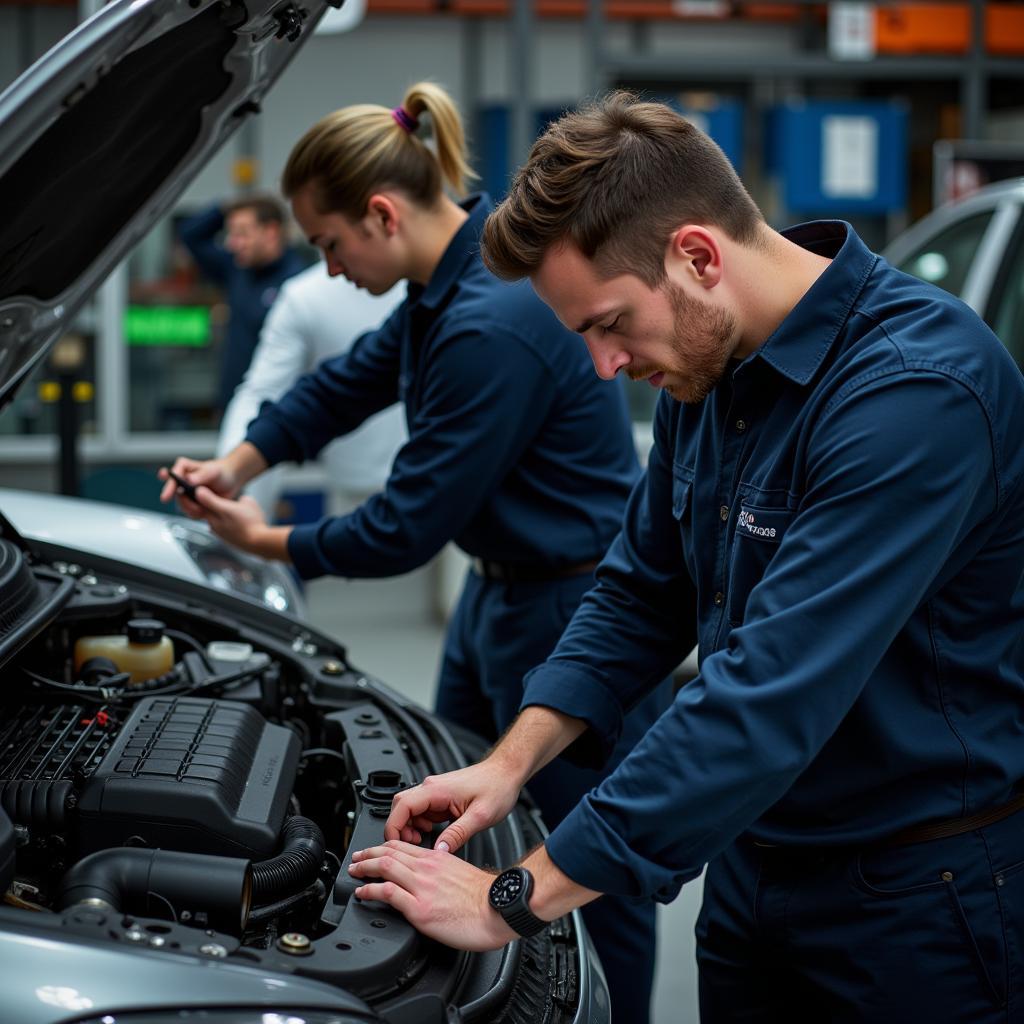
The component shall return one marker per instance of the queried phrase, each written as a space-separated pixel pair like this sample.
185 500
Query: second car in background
974 248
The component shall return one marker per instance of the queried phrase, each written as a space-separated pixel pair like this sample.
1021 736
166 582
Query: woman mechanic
517 452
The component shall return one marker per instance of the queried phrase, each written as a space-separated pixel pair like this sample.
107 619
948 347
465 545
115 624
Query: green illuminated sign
167 325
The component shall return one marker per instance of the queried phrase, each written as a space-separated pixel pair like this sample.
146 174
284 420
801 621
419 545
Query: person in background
834 509
253 262
516 451
314 318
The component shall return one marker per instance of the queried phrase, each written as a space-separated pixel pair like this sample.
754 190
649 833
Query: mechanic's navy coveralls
841 526
523 457
250 292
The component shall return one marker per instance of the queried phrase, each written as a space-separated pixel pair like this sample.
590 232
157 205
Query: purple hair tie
405 119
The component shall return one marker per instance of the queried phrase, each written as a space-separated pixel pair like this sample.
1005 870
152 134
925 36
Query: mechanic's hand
213 473
472 799
443 896
240 522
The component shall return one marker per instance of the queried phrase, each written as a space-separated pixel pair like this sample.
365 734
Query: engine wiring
115 690
184 638
81 691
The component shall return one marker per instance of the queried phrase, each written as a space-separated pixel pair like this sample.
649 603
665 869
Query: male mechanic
834 511
251 265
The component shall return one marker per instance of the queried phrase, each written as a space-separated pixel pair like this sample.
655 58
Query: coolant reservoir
142 650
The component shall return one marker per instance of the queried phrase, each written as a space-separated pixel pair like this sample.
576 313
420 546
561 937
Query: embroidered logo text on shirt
749 523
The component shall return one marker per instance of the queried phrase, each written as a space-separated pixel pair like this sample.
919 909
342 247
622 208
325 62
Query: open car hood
104 132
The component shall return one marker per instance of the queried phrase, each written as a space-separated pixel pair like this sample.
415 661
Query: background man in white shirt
313 318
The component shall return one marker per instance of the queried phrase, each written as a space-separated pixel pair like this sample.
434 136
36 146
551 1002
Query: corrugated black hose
295 868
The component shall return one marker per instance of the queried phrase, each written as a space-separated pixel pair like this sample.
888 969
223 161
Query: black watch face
506 889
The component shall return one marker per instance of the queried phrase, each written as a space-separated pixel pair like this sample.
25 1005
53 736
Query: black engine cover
190 774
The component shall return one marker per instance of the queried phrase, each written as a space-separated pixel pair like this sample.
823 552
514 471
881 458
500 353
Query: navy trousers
498 633
928 932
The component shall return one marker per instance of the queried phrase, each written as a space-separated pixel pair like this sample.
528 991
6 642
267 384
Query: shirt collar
797 347
463 249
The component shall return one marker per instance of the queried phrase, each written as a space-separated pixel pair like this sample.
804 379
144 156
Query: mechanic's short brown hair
266 209
616 178
350 154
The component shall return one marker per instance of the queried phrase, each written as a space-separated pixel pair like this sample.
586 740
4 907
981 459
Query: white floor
391 630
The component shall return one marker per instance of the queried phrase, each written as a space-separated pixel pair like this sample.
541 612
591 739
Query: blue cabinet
844 158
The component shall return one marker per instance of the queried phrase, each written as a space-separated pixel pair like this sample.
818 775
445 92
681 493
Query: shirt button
741 425
723 513
719 599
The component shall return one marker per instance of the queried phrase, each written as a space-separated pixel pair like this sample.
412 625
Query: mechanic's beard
702 343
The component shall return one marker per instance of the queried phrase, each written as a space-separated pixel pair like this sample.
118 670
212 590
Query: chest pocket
759 531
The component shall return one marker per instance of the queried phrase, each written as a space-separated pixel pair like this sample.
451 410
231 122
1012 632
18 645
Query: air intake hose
41 803
295 867
149 882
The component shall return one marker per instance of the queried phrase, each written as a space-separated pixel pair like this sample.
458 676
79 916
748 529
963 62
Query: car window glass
1007 315
946 257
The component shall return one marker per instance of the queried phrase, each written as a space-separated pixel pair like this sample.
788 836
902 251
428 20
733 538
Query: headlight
226 568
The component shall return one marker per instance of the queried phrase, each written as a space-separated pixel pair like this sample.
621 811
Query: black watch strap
524 922
510 896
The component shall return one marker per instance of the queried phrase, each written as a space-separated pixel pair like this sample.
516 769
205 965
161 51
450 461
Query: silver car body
173 545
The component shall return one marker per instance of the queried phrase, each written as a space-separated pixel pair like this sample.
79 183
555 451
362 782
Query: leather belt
515 572
905 837
955 826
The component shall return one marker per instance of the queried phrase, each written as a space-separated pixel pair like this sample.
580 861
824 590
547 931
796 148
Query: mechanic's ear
382 213
695 253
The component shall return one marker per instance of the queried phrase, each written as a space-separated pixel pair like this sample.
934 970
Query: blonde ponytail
355 151
449 136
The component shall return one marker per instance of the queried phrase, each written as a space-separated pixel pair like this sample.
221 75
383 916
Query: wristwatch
509 895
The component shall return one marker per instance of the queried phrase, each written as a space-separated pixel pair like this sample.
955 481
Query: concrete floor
391 630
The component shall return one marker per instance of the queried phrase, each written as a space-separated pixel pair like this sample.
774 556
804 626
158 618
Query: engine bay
212 758
211 809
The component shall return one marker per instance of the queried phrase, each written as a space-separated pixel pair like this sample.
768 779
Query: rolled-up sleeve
900 470
474 418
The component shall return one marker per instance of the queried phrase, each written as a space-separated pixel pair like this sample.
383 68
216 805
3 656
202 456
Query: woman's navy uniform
519 454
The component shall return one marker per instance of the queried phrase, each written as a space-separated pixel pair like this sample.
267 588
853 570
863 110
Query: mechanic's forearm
554 892
244 462
538 735
270 542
